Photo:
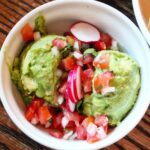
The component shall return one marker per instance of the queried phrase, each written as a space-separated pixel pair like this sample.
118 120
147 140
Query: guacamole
126 82
36 75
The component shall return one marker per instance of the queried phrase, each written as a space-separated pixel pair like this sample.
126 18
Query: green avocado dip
37 71
126 82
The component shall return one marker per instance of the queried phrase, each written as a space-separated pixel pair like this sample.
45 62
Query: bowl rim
140 20
38 9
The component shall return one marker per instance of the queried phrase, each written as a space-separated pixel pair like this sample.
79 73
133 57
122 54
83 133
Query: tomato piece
88 59
74 116
106 38
81 132
87 120
102 62
57 120
44 114
86 78
27 33
68 63
59 43
102 120
71 126
33 107
56 133
100 45
103 80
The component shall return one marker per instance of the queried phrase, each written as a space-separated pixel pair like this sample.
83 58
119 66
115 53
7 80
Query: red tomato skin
68 63
57 120
106 38
33 107
44 114
56 133
100 45
81 133
27 32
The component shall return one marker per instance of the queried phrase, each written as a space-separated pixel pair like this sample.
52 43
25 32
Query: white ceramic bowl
59 15
140 20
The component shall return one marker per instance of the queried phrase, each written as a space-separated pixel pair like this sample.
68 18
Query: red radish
85 32
101 133
70 87
59 43
91 129
77 82
70 106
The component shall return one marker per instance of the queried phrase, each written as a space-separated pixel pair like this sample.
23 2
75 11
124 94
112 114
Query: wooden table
11 138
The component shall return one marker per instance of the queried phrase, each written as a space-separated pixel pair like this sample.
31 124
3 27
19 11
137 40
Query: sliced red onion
47 125
64 121
73 136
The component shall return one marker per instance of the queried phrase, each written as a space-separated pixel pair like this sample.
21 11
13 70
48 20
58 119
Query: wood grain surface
11 138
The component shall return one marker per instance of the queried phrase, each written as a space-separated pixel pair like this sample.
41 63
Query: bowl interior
59 16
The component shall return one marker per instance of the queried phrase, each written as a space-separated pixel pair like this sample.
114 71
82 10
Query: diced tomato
74 116
100 45
102 120
33 107
56 133
57 120
103 80
27 33
87 120
81 132
71 126
59 43
44 114
102 62
86 77
106 39
88 59
68 63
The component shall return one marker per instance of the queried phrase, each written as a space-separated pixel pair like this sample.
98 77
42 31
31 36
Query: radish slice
70 106
70 87
85 32
77 82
